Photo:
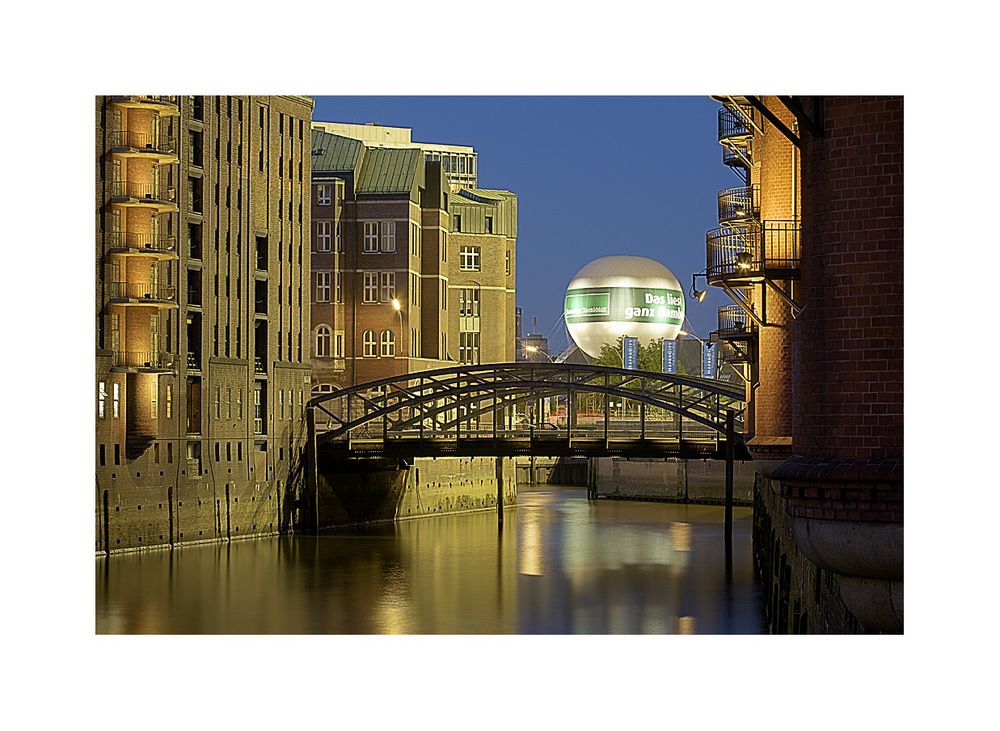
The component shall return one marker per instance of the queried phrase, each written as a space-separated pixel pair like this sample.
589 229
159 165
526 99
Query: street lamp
399 312
535 349
698 294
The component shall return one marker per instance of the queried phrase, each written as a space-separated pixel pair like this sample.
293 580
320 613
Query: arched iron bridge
554 409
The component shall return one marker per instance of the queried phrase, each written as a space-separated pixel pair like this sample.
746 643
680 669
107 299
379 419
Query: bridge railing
535 402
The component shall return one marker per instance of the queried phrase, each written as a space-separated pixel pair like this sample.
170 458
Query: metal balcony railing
733 322
147 191
141 290
140 359
136 240
739 206
771 250
733 130
142 141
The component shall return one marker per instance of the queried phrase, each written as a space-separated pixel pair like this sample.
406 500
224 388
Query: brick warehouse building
202 355
810 249
387 225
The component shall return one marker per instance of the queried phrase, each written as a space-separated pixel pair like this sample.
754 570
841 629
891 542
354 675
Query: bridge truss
521 408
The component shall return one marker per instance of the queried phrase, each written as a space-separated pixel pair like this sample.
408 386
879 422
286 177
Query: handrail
732 127
140 359
142 140
148 191
740 204
141 290
138 240
752 251
733 321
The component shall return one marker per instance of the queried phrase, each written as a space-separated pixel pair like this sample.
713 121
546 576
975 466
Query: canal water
559 565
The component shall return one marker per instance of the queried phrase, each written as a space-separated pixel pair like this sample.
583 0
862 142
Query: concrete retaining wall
672 479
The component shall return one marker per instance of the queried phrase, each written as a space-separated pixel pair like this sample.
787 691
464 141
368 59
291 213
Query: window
229 402
507 261
444 346
371 287
338 292
369 341
444 294
469 259
468 347
116 400
468 302
323 341
414 343
444 246
370 245
154 407
414 289
218 402
239 404
322 286
102 397
338 344
388 286
340 237
169 406
323 236
458 222
413 239
388 236
281 404
489 224
388 344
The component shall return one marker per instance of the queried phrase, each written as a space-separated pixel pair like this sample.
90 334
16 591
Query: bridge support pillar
730 436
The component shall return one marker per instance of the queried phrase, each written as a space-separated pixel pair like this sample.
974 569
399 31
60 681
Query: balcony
147 195
739 257
141 361
735 130
164 104
734 324
739 207
160 147
147 244
141 293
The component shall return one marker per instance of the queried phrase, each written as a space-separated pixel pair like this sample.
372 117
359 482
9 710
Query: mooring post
730 437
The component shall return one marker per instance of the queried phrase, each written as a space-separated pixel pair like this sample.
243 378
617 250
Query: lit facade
202 352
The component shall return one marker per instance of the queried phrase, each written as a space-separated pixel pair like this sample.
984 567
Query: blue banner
707 360
670 356
631 357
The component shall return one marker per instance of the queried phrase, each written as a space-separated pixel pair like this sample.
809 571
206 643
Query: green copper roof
482 195
333 153
388 170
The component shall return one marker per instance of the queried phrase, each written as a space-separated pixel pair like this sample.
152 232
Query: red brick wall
772 399
848 368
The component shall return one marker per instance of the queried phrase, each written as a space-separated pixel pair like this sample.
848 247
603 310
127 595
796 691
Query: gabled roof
333 153
388 170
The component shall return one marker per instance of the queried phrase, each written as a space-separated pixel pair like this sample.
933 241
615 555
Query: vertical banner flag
670 356
631 357
707 360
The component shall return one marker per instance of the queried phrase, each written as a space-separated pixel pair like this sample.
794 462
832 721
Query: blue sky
594 176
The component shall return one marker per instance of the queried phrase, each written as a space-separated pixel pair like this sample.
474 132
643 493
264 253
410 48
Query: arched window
369 340
324 337
388 343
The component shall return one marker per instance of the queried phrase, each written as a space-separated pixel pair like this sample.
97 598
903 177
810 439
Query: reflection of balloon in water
623 295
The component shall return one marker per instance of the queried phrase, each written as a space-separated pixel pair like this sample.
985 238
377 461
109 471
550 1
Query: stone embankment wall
382 491
130 516
799 596
672 479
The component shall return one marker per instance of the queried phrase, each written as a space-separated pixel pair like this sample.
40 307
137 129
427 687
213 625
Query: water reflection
559 564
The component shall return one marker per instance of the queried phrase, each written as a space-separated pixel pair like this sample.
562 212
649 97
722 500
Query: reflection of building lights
685 625
530 556
680 536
